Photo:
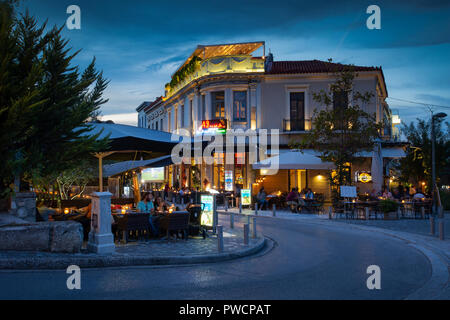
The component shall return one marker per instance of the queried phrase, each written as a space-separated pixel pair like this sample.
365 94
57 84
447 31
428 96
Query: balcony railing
218 65
296 125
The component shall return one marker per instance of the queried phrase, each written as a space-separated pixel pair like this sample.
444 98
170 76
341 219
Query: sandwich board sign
348 191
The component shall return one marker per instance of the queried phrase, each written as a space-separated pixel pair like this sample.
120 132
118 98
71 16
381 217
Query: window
218 104
156 125
203 113
340 100
239 105
191 109
169 124
340 103
176 119
161 127
297 111
182 116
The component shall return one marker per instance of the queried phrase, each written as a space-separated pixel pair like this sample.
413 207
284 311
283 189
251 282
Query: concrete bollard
274 210
441 230
232 220
256 209
254 228
246 231
432 225
366 209
220 238
226 205
240 207
422 211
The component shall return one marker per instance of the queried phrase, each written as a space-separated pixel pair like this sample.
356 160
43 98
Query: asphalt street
306 261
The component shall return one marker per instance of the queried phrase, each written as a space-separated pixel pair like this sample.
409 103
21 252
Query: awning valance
295 160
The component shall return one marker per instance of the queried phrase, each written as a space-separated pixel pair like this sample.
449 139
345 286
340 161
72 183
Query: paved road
308 261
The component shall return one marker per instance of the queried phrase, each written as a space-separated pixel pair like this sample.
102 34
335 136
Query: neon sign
219 125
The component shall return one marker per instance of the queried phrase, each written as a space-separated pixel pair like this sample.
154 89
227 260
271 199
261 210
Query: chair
178 221
136 222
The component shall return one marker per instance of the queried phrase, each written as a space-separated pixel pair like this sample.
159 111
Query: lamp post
433 160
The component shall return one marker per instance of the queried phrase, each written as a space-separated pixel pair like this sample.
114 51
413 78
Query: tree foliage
416 166
342 129
45 101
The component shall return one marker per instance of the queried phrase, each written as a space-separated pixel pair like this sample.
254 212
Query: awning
295 160
393 153
121 167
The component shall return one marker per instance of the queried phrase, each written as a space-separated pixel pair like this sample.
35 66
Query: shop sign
364 177
246 197
217 125
208 211
228 180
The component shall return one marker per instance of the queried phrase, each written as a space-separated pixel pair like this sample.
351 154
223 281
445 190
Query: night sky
139 44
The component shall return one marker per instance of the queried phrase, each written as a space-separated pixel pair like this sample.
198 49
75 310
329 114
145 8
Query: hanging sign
228 180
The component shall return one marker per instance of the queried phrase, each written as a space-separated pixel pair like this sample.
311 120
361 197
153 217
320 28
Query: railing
296 125
218 65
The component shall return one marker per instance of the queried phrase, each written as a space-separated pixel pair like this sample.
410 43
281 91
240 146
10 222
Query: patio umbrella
131 143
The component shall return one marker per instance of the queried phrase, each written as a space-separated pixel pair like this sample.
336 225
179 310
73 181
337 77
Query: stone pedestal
101 239
24 206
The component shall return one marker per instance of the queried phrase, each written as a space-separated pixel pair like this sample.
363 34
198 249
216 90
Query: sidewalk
154 252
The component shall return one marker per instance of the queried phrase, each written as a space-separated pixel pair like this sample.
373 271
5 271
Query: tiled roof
313 66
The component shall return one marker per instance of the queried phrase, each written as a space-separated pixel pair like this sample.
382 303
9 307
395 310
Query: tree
416 166
45 102
341 130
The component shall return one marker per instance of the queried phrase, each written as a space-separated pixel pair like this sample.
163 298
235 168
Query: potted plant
389 208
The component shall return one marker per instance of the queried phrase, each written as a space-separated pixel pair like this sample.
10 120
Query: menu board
348 191
246 197
208 211
228 180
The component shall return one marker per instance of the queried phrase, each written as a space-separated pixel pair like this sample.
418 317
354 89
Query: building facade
226 87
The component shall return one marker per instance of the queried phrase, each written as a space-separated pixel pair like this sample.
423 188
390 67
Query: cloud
122 118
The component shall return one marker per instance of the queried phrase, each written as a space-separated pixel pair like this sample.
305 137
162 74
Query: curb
102 261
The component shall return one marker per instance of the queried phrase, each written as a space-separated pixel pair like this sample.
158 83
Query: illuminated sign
208 211
363 177
228 180
217 125
246 197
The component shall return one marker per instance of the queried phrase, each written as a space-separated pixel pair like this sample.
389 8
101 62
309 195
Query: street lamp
433 160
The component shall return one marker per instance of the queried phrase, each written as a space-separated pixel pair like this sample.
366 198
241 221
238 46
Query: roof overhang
216 50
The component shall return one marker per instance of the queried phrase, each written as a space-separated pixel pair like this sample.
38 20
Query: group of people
399 193
296 199
148 204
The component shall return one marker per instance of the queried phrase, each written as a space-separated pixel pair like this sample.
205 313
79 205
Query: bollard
240 207
432 225
274 212
226 205
248 219
441 229
367 212
246 230
254 228
232 220
399 213
220 238
256 209
422 211
330 213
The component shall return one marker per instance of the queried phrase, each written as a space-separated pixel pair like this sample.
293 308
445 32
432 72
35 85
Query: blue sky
138 44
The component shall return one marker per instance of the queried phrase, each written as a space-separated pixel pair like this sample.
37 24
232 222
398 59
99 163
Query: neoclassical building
223 87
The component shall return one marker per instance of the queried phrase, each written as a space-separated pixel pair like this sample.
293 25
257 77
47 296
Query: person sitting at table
261 198
309 194
386 193
373 195
160 205
292 199
147 206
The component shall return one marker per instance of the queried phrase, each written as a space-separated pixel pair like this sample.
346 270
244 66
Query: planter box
391 215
